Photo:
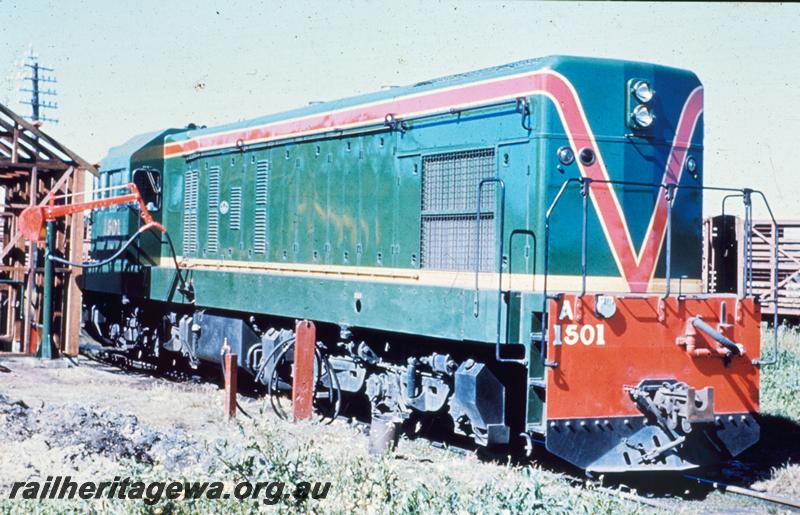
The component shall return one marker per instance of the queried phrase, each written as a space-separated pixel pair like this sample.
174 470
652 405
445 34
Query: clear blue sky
129 67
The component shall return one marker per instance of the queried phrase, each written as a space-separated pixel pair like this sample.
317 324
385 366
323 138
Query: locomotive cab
148 183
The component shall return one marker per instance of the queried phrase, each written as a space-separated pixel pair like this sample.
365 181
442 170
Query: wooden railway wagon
725 256
513 254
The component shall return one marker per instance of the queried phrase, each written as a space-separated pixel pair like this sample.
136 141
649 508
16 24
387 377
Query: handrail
545 296
584 231
547 216
671 187
747 276
725 199
476 297
775 263
670 195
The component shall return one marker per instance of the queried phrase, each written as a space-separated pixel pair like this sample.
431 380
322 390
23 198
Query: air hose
277 355
143 229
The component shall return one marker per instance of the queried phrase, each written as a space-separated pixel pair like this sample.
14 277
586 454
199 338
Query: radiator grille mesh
447 243
450 181
190 213
449 200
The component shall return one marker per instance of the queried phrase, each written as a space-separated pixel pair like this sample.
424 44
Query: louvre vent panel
260 236
261 221
212 229
262 183
449 202
190 213
236 209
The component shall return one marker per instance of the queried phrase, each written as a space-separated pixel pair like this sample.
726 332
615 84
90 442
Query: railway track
748 492
669 504
662 503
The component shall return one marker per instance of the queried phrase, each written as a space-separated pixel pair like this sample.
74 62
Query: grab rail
476 297
670 190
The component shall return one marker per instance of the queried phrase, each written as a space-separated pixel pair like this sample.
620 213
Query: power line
36 76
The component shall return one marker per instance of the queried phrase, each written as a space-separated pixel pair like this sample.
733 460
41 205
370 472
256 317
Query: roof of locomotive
548 62
119 157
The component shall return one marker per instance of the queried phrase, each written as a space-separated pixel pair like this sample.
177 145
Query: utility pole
36 78
36 75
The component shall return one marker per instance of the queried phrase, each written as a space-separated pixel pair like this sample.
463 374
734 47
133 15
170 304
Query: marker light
566 156
643 91
605 306
643 116
586 155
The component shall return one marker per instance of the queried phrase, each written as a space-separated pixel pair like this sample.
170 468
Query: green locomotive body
363 215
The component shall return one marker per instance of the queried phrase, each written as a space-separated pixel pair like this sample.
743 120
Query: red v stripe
636 268
651 249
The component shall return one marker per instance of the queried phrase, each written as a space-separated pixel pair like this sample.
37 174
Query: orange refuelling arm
33 218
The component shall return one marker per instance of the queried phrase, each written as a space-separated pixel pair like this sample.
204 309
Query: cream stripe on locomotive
451 279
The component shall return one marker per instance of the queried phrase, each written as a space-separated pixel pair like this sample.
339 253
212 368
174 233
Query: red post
33 341
303 377
231 369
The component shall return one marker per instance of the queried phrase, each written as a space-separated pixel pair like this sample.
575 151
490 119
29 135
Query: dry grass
417 479
784 481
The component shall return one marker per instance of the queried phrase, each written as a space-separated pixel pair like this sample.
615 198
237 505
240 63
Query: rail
476 295
749 492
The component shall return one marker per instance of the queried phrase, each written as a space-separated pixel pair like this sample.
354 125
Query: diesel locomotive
513 254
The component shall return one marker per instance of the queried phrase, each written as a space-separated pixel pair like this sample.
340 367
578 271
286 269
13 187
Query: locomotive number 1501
571 334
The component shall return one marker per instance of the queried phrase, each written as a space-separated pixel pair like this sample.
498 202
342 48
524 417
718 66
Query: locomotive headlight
642 116
643 91
691 166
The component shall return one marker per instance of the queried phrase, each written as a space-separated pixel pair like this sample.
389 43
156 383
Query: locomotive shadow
779 446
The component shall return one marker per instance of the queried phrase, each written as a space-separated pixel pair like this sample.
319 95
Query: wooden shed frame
34 168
